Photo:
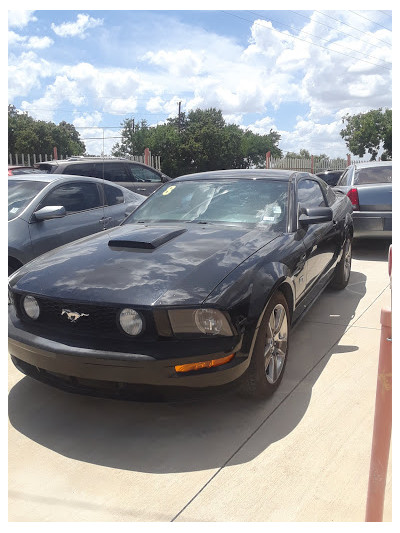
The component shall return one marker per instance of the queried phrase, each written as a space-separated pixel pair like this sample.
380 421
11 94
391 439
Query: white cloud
19 18
155 104
262 126
78 28
316 138
62 90
120 106
87 120
25 72
178 63
39 43
15 38
86 124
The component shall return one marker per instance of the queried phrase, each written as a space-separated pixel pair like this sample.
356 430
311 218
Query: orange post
382 424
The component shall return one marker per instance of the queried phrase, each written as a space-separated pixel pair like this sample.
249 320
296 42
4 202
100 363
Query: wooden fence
29 160
312 165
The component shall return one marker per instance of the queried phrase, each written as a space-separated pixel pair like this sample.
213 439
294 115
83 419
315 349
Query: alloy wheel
276 343
347 260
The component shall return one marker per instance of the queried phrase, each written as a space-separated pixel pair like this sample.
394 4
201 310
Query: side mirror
315 215
50 211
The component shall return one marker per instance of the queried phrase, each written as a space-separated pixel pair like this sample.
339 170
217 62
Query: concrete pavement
302 455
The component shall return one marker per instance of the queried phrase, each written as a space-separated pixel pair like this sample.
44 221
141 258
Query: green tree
29 136
369 132
255 147
134 138
196 142
303 154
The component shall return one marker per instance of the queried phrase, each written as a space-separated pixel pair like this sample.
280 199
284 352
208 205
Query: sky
296 71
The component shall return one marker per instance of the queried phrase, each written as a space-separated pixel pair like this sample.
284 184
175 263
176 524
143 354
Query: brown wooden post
348 160
267 159
147 156
55 153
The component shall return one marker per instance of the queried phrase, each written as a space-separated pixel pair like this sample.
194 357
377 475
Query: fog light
131 322
31 307
204 364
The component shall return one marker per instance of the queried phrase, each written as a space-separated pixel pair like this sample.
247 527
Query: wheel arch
14 263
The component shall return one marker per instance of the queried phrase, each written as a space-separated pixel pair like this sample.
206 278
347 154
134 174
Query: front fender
245 292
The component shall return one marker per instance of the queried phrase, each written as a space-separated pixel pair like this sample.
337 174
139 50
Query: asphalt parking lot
301 456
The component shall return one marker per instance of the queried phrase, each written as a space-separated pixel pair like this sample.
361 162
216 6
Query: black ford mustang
199 287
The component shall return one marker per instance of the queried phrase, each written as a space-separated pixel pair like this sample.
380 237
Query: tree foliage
29 136
369 132
196 142
303 154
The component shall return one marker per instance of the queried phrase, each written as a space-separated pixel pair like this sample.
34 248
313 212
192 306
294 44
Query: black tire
269 357
343 268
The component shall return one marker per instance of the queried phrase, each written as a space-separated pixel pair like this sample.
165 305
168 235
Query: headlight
31 307
206 321
130 321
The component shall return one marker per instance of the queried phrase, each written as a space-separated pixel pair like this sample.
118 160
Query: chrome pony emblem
72 315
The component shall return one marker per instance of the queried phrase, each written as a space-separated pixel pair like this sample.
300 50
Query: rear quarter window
79 170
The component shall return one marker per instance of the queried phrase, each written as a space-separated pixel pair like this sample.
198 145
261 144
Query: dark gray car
369 187
48 210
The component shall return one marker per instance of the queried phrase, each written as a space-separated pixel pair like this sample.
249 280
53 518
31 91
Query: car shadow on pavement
197 433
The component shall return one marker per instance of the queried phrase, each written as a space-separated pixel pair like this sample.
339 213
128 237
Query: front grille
96 320
99 318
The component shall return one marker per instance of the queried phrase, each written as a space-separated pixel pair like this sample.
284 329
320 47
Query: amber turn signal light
204 364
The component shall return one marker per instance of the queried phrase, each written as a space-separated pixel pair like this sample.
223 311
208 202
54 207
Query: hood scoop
146 238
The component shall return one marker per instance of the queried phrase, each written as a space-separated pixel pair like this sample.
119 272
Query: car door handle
144 190
104 220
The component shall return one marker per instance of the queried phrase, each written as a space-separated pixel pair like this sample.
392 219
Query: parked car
49 210
136 177
369 187
330 176
199 287
14 170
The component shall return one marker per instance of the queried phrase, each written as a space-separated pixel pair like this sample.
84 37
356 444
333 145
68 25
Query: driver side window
309 194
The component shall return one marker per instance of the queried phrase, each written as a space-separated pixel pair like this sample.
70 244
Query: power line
384 12
308 42
352 27
316 36
369 20
339 31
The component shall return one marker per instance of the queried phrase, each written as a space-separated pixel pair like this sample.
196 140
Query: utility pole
132 128
179 116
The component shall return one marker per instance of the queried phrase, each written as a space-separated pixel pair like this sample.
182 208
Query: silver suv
137 177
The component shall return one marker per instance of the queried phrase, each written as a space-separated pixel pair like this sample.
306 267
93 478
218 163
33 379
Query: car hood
136 264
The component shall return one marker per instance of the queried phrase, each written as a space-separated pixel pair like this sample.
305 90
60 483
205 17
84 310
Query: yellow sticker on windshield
170 189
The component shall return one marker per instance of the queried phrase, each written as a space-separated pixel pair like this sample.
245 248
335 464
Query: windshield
246 201
20 194
381 174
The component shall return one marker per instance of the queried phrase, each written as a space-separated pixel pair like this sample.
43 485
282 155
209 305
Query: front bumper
82 369
372 224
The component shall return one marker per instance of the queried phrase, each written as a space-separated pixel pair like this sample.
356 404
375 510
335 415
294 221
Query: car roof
79 160
49 178
247 173
373 164
17 166
329 171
